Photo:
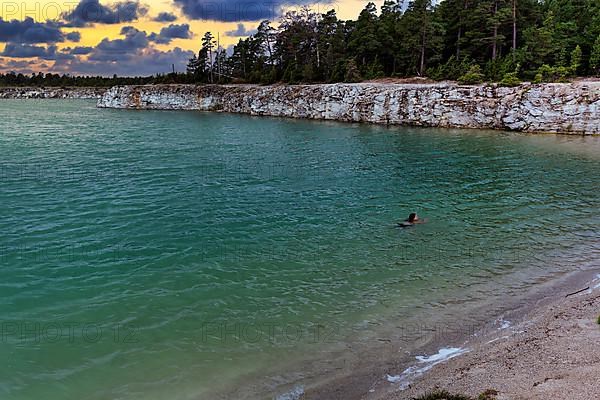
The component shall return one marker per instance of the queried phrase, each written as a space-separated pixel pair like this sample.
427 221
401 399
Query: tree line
466 40
40 79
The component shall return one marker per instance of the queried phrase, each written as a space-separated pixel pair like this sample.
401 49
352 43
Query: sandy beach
552 353
547 348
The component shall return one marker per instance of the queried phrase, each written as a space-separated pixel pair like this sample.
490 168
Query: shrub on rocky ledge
442 395
489 394
510 79
473 77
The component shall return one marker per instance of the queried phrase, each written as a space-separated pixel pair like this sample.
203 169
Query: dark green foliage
546 73
510 79
55 80
576 58
542 41
595 57
473 76
489 394
452 69
352 73
450 39
442 395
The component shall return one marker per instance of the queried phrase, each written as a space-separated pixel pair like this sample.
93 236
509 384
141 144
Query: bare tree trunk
495 40
318 57
459 34
422 66
210 77
244 62
270 50
218 57
514 17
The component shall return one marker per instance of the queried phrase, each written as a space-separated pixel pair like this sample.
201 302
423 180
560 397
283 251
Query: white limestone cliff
564 108
51 93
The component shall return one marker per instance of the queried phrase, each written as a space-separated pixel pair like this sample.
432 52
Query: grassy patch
489 394
442 395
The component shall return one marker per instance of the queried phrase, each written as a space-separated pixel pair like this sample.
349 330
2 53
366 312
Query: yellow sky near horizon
44 10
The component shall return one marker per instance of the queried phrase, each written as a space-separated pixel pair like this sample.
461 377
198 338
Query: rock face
564 108
50 93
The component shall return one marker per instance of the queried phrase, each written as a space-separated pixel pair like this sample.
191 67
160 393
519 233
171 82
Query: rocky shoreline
51 93
569 108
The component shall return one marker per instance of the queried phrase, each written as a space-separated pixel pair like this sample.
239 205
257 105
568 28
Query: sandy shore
552 353
545 347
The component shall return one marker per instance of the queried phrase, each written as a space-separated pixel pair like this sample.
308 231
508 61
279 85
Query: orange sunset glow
130 38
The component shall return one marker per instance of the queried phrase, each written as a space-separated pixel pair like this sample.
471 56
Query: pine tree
595 56
331 42
363 42
576 57
391 12
208 45
423 33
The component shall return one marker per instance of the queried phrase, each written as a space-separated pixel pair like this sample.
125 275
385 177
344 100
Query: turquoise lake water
182 255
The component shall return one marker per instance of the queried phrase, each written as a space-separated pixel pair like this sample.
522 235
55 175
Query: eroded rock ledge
564 108
51 93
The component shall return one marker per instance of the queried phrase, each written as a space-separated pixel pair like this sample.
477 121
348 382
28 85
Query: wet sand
549 348
552 354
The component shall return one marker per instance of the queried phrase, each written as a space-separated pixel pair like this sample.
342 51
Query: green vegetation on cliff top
502 41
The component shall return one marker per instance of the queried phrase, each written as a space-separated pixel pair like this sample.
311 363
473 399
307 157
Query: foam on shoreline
555 342
425 364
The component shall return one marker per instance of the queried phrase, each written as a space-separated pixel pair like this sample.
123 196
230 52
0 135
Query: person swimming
412 220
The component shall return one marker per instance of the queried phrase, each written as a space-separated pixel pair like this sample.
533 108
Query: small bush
452 69
442 395
598 321
374 71
548 74
352 72
510 79
473 77
489 394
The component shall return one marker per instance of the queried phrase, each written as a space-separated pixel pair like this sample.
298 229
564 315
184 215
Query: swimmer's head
413 217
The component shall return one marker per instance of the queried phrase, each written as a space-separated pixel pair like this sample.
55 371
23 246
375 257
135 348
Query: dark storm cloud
240 10
23 51
171 32
81 50
230 11
120 49
21 66
29 31
51 52
92 12
133 55
128 30
73 37
165 17
136 43
240 31
143 62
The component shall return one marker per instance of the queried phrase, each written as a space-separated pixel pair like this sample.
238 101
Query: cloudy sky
106 37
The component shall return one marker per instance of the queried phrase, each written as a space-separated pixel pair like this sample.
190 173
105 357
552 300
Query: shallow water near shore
187 255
